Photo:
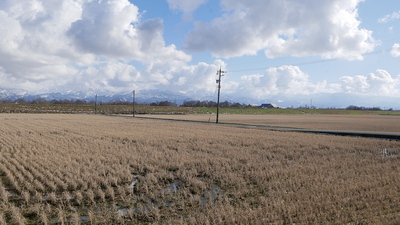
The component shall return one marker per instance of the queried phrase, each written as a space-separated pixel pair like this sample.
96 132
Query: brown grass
100 169
381 123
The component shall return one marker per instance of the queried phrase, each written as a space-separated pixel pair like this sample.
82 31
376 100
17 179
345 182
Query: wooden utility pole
133 104
95 105
219 74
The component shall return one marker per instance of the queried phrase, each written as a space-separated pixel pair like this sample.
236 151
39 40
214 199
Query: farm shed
270 106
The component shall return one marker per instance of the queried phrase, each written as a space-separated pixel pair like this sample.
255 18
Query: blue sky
286 51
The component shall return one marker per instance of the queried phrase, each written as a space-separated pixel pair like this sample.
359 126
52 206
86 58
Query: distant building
270 106
253 105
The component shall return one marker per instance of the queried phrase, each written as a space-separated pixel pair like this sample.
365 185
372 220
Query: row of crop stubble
374 123
82 168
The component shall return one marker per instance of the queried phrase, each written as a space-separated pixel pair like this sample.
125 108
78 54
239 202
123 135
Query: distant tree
224 104
211 104
191 103
20 101
80 102
54 101
39 101
353 107
236 105
163 103
375 109
6 101
66 102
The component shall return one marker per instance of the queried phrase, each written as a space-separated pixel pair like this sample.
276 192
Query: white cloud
288 27
33 39
87 44
187 7
103 45
389 17
395 50
112 28
285 80
380 83
290 82
189 79
107 77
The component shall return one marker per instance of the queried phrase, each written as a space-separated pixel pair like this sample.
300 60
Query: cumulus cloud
380 83
290 82
112 28
107 76
395 50
84 44
329 28
105 45
189 79
33 39
187 7
389 17
285 80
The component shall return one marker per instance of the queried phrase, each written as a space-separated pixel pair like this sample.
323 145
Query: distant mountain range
145 96
321 100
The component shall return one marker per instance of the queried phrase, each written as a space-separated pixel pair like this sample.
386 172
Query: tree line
44 101
353 107
189 103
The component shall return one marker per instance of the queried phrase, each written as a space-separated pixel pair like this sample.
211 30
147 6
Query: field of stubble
100 170
378 123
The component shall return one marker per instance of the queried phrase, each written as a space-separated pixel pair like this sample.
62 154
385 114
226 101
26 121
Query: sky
284 51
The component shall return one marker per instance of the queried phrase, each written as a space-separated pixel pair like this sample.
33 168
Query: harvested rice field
378 123
90 169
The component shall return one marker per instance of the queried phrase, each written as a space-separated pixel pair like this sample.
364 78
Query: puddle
82 219
173 188
388 154
150 204
132 185
126 212
211 195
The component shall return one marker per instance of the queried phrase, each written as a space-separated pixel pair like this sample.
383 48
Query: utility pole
219 74
133 104
95 105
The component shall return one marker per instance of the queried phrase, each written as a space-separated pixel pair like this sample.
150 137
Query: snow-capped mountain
144 96
322 100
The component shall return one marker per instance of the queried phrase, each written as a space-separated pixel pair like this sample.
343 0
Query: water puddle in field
171 189
142 204
386 153
11 192
132 185
70 220
208 198
211 195
150 203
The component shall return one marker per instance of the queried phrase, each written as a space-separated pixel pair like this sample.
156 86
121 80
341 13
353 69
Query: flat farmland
91 169
378 123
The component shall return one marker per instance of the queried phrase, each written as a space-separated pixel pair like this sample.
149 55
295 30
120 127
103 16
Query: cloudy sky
272 50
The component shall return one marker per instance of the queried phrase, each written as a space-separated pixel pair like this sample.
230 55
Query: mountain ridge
324 100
